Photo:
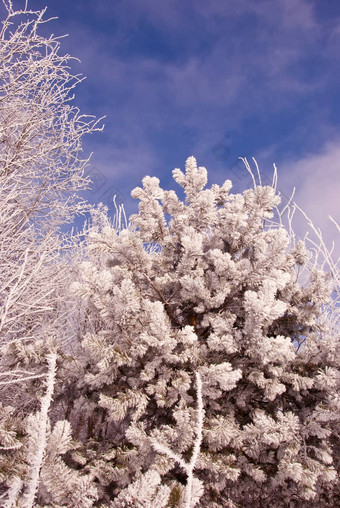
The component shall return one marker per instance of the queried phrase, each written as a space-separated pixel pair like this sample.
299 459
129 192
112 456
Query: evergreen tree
210 369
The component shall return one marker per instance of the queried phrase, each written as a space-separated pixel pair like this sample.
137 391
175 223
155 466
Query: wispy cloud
317 180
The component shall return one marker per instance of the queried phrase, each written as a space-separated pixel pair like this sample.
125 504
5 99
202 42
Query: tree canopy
185 357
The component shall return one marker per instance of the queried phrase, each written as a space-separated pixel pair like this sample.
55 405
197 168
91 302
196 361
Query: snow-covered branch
190 500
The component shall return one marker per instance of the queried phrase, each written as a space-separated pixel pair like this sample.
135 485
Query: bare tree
41 175
41 170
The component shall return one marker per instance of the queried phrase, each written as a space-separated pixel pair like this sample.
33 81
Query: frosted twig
13 447
19 379
258 170
198 442
274 181
188 467
248 168
43 423
334 222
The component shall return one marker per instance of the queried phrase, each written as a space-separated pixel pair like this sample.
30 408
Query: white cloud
317 181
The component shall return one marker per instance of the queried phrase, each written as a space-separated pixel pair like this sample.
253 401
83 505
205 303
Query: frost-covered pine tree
209 371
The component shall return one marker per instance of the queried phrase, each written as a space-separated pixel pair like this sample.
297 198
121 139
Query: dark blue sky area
216 80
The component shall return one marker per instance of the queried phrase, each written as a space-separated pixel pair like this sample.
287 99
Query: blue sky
217 80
